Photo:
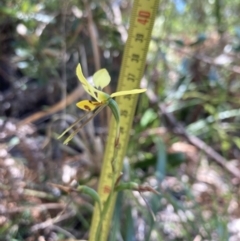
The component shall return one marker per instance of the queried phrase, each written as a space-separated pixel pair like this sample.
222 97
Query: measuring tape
132 68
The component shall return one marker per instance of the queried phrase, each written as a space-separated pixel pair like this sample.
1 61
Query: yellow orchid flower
100 79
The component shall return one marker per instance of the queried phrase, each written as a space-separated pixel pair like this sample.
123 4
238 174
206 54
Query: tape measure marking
132 68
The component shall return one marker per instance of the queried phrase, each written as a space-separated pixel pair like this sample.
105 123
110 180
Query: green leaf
130 235
149 116
161 159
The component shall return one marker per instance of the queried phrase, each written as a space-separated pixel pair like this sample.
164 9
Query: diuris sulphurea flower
100 79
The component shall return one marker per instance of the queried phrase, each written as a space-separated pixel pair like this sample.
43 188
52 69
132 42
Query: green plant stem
106 205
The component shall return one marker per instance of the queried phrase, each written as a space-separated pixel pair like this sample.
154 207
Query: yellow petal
87 87
128 92
88 105
101 78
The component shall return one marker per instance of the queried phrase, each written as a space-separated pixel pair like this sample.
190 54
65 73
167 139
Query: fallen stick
201 145
178 129
72 97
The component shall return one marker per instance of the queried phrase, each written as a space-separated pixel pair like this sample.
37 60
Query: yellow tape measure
132 68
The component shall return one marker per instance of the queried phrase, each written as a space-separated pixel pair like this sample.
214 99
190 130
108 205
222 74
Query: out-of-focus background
185 138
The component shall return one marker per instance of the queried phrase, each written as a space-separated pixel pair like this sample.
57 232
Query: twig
65 232
50 222
93 36
97 60
43 207
39 194
55 108
179 129
210 61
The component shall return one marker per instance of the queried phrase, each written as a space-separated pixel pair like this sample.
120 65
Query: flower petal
101 78
87 87
88 105
128 92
